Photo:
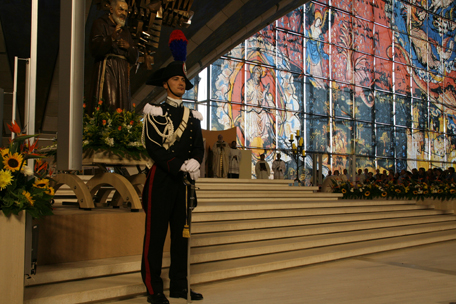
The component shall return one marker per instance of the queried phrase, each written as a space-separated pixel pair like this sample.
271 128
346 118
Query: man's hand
195 175
115 35
123 44
192 165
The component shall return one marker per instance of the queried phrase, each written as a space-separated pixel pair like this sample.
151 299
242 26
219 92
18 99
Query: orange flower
132 122
134 105
119 110
104 122
98 108
84 105
120 128
100 102
14 127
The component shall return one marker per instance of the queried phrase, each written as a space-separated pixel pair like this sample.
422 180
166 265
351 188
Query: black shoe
157 298
183 294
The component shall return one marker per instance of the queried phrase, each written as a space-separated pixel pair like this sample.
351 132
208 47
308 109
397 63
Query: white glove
152 110
197 115
184 167
192 165
195 175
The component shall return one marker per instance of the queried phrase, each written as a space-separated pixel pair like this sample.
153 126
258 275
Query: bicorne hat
178 47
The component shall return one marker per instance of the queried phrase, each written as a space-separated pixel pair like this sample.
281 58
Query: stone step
205 227
265 193
242 250
219 270
227 204
290 213
118 286
242 236
228 181
253 187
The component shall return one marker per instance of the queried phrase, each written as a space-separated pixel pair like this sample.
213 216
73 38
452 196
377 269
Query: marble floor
424 274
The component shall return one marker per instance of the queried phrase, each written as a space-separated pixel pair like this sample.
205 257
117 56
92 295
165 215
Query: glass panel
227 80
382 12
288 122
435 119
317 97
383 74
384 138
363 72
343 100
383 41
403 109
345 5
290 88
437 142
364 9
290 52
221 116
417 145
237 52
261 46
402 76
363 36
260 87
292 21
341 30
364 100
317 21
317 59
317 134
401 143
260 128
340 162
383 107
419 114
364 134
342 136
342 65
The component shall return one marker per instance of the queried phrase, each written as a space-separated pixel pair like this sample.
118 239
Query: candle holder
297 152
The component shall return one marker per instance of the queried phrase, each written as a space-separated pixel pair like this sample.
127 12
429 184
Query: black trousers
164 202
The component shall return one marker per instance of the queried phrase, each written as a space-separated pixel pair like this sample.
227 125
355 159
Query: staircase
247 227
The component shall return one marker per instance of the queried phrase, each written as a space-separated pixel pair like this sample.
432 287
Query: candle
297 133
291 137
303 153
301 142
294 146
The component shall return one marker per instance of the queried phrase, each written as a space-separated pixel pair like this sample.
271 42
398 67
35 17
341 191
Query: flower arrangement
411 190
22 188
116 131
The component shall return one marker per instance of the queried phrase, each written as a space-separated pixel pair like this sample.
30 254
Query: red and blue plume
178 45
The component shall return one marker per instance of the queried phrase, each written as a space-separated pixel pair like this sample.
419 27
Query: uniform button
191 137
189 151
172 151
191 130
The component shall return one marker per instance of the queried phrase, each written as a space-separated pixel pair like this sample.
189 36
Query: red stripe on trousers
148 232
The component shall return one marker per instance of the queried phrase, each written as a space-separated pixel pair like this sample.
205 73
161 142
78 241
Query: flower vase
12 254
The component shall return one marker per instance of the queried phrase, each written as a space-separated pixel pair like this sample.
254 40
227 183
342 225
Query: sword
190 205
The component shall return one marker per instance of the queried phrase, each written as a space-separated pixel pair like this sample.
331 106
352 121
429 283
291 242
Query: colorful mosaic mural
375 79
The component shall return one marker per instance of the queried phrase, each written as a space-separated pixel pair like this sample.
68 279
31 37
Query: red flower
98 108
132 122
14 127
100 102
119 110
134 105
120 128
84 105
104 122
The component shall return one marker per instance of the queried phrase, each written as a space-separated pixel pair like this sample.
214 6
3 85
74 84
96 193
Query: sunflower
28 196
415 192
344 191
452 191
426 192
13 162
4 152
384 194
5 179
440 191
41 183
398 190
50 191
367 193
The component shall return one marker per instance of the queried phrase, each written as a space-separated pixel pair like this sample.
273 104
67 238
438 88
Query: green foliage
116 131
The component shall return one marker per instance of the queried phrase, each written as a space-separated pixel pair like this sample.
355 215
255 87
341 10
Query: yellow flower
367 193
344 191
440 191
426 192
41 183
4 152
50 191
5 179
398 190
384 194
12 162
452 191
415 192
28 196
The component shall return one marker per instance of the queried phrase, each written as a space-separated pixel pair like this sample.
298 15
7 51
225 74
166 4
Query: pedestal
12 255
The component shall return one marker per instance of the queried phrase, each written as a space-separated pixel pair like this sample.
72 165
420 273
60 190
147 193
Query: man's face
119 13
175 86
